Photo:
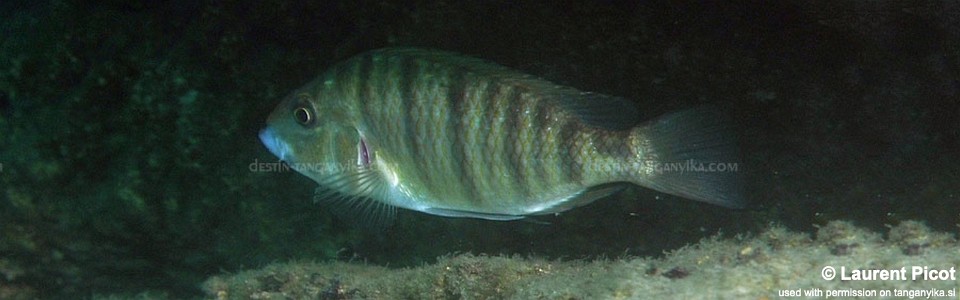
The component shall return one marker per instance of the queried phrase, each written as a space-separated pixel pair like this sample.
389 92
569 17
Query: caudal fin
697 157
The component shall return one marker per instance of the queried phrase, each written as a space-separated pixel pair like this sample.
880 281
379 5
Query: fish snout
274 144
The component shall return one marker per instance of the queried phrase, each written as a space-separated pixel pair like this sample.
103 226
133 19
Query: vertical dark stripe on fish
483 105
611 144
514 125
538 127
492 97
365 86
408 75
364 74
527 136
456 98
570 149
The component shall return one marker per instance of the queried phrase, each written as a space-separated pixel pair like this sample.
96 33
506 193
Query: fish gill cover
129 159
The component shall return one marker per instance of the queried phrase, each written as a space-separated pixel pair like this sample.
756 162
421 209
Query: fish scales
457 124
422 125
457 136
508 137
524 153
473 163
513 146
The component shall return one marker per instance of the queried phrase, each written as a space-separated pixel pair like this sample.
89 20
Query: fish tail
692 154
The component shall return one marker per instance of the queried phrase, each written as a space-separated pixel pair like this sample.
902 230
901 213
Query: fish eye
303 115
303 111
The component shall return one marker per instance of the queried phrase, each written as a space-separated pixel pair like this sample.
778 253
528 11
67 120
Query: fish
456 136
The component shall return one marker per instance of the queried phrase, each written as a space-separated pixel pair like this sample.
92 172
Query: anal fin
583 197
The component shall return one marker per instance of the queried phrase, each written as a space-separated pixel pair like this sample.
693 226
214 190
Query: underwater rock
756 267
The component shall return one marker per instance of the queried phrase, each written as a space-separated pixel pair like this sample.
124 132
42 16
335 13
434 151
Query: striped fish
455 136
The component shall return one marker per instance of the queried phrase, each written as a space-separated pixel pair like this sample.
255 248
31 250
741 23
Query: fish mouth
274 144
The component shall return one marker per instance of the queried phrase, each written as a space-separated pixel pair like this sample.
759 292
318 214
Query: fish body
451 135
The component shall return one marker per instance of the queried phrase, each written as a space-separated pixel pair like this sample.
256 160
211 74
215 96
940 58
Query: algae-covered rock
768 265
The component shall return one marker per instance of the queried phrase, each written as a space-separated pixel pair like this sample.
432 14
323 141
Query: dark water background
127 128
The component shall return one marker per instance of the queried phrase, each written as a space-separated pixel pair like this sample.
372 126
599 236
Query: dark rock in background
127 130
